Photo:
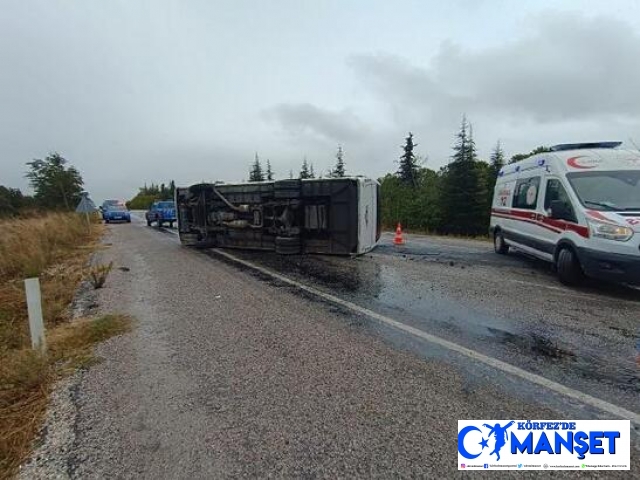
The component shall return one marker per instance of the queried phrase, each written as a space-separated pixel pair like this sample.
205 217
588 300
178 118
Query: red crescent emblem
572 162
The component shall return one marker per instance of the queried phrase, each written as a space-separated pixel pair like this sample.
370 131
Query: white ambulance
577 206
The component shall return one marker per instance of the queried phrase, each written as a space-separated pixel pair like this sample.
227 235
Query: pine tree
408 170
269 171
464 190
304 171
312 173
290 174
497 159
522 156
495 165
256 174
339 170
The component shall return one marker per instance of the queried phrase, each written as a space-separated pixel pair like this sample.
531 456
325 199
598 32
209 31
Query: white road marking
467 352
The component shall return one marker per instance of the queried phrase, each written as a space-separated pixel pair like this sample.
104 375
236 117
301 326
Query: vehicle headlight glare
610 231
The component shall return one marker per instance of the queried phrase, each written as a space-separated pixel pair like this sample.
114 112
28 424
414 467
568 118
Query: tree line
259 174
148 194
454 200
56 184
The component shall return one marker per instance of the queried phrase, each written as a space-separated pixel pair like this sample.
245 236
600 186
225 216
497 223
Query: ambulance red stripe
557 226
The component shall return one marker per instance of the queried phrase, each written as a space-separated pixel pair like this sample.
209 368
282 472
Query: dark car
116 213
161 212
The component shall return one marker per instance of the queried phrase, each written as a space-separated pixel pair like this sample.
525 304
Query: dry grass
98 275
26 377
55 247
29 246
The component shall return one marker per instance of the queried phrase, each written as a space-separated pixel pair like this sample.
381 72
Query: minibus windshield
608 191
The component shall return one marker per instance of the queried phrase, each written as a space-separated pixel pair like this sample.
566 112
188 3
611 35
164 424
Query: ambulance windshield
608 191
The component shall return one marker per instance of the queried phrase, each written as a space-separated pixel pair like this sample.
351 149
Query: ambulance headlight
610 232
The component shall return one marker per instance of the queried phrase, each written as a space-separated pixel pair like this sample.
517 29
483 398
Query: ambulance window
526 193
555 191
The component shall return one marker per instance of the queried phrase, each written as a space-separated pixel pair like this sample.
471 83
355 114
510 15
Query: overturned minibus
336 216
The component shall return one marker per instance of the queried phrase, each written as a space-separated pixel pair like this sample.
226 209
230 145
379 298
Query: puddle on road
339 274
385 288
535 343
435 312
612 371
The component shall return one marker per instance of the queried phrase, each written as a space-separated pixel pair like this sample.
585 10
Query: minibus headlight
610 232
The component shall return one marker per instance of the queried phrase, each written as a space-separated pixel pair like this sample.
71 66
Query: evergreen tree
522 156
463 198
269 171
304 171
496 164
408 170
290 174
312 173
339 170
256 174
497 159
12 201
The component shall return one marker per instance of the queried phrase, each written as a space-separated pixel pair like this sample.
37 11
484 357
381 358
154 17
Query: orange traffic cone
398 240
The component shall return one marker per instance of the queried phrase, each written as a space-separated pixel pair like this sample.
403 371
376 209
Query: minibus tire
568 267
499 244
288 245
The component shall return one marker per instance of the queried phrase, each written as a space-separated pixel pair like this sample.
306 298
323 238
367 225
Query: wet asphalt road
508 307
229 374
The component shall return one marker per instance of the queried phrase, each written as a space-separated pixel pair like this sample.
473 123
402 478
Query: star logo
484 443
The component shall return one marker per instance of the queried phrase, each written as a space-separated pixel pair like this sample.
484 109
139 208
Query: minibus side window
555 191
526 193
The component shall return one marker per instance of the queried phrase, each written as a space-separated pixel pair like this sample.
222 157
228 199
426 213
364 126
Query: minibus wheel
288 245
568 267
499 245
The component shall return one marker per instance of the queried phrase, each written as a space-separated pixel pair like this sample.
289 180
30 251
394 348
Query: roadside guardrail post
34 307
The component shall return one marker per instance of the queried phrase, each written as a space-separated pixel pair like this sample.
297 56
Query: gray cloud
568 67
309 120
147 91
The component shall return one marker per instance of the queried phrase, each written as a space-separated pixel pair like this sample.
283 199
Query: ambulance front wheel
568 267
499 245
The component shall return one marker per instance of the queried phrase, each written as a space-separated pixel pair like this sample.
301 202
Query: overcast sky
147 91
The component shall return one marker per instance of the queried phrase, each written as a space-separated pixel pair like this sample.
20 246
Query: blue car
116 213
161 212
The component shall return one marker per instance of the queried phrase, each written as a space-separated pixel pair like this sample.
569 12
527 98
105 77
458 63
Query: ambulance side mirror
560 210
